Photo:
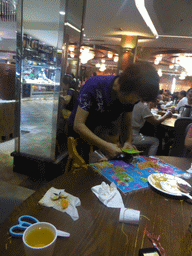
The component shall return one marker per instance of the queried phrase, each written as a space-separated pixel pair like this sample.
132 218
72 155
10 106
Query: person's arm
80 127
188 139
152 120
127 130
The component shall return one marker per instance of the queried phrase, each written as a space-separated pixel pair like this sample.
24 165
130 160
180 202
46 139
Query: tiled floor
6 164
36 122
11 193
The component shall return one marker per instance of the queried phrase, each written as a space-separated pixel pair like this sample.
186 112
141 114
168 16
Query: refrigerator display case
40 63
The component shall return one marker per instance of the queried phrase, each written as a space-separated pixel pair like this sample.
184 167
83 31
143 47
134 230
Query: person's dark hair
190 90
183 93
141 78
94 73
71 81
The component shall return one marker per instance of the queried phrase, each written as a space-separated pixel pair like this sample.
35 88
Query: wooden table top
98 230
169 122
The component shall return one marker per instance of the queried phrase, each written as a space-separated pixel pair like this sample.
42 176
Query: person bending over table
141 114
105 105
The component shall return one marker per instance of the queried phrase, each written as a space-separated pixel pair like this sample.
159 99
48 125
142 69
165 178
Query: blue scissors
24 222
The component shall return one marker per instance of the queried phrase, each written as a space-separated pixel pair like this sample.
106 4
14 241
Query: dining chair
178 148
186 151
75 160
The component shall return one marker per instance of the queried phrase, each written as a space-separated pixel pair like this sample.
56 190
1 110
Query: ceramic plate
166 183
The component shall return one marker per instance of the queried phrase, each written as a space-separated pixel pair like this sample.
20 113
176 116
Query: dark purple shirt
98 98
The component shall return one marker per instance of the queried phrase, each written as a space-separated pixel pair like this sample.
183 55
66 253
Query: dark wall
7 81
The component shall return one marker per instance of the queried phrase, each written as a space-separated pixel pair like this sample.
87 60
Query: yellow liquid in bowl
39 237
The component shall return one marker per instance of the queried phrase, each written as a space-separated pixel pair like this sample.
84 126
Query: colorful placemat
128 177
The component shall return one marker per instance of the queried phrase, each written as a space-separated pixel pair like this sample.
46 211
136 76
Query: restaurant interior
41 40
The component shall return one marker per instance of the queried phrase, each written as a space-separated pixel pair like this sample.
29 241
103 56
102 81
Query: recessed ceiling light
62 13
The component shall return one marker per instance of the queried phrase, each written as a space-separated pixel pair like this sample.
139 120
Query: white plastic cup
129 216
40 251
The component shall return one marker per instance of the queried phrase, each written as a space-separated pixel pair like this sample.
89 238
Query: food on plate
156 180
64 203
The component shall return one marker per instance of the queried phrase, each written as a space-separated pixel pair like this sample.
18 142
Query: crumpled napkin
108 195
73 202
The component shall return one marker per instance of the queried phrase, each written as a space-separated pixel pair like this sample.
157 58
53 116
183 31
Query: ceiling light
156 62
98 65
71 26
102 68
72 55
62 13
160 72
140 4
186 63
109 55
71 48
86 55
116 58
182 75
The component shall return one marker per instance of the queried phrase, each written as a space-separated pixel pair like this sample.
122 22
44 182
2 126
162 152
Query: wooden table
169 122
98 230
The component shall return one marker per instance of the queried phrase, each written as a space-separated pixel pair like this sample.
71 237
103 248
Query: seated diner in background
182 100
107 102
186 109
70 85
141 114
188 142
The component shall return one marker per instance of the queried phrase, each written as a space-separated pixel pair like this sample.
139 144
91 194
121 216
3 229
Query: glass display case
41 68
41 59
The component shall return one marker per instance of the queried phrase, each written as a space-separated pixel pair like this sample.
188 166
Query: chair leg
68 164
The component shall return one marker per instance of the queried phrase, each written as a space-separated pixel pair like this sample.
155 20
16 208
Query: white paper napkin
108 195
73 202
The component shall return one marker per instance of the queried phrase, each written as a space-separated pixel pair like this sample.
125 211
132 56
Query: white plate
169 182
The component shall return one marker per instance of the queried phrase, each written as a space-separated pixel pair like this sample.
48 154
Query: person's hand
112 150
168 114
128 145
173 110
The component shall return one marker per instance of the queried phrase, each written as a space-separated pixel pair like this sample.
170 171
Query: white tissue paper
108 195
56 204
129 216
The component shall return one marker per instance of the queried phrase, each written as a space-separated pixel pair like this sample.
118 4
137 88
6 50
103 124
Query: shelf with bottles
38 51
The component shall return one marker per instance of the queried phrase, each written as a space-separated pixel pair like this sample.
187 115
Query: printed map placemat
128 177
